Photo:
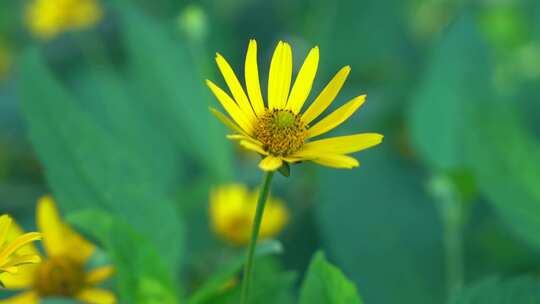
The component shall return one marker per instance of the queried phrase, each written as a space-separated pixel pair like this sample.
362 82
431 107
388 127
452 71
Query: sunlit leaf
326 284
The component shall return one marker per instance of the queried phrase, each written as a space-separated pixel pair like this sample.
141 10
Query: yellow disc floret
280 131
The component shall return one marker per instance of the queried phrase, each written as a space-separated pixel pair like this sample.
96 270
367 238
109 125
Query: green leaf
164 72
522 290
285 170
509 174
326 284
457 78
212 289
88 166
271 283
383 224
141 273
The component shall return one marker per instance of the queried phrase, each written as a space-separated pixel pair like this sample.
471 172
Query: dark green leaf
177 101
88 166
285 170
380 226
522 290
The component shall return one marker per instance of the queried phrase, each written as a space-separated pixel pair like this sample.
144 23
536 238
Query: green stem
451 210
248 267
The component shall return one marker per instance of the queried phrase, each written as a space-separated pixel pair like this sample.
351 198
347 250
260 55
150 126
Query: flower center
281 132
59 276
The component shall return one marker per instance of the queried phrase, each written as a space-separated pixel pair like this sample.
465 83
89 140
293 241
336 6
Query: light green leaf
141 273
457 78
326 284
271 284
509 174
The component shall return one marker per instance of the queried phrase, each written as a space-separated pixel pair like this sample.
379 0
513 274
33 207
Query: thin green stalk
452 213
248 267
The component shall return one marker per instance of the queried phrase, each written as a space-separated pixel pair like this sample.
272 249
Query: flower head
63 271
48 18
279 130
231 212
13 251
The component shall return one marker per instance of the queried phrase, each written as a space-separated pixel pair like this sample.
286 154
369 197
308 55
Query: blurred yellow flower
13 251
48 18
231 213
62 272
5 62
278 130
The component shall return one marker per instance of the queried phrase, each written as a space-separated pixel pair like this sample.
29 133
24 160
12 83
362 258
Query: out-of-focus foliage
523 290
113 121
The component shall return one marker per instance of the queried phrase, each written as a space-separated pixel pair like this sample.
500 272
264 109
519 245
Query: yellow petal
22 260
327 96
231 107
270 163
240 137
8 269
253 84
345 144
279 79
78 248
235 87
5 224
99 275
96 296
337 161
58 237
230 213
274 219
16 231
253 147
28 297
337 117
18 243
23 279
226 121
50 225
304 81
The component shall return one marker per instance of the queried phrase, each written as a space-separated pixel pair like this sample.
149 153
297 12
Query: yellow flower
13 249
5 62
48 18
278 130
62 272
231 212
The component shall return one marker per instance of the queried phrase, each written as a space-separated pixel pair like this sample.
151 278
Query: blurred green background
113 120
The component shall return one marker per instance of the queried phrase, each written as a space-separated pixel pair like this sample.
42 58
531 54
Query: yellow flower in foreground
279 130
62 272
13 251
48 18
231 213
